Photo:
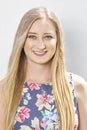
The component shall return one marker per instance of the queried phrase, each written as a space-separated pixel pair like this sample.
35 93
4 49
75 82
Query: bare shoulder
80 86
81 94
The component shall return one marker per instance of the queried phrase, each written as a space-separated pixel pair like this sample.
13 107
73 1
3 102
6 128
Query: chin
43 62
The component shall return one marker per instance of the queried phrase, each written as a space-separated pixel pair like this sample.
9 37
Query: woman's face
40 44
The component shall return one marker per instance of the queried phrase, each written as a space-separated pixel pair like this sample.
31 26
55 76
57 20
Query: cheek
54 50
53 47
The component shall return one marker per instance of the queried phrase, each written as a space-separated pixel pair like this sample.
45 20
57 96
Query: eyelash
49 37
32 37
45 37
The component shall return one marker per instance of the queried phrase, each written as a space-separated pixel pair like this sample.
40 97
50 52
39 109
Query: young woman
37 92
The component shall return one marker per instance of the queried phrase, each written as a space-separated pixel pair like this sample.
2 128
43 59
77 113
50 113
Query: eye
48 37
32 37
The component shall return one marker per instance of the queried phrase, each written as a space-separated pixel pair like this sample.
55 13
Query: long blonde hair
17 71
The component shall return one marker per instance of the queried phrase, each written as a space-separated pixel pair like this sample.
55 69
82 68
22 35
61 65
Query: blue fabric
37 109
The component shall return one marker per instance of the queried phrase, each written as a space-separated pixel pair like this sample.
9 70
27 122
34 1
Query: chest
37 109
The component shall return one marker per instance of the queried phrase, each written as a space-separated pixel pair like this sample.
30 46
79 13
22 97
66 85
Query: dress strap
71 81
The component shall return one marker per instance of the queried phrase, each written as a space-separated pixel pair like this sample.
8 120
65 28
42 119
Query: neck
38 72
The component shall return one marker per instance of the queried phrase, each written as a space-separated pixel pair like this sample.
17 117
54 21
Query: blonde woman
37 92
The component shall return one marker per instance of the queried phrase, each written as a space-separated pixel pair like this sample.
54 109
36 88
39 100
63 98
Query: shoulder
80 86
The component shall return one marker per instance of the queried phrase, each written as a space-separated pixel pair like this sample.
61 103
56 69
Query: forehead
43 24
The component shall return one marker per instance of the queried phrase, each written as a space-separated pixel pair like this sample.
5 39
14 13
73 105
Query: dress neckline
31 82
39 83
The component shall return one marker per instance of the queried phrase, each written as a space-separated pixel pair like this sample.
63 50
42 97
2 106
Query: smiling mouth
39 53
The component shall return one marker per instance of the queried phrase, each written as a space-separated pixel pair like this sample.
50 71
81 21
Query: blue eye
32 37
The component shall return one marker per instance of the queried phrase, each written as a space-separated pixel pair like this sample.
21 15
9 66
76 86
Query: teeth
39 52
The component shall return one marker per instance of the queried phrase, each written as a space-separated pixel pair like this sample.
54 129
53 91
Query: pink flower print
43 123
46 97
43 101
23 113
37 129
21 118
35 86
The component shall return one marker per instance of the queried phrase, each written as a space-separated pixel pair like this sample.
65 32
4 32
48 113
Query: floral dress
37 109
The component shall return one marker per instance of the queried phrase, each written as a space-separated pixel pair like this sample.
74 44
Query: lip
38 53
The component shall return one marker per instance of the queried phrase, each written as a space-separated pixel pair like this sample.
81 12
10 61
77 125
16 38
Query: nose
41 45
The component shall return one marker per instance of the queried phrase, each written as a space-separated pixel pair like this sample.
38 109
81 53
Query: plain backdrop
73 17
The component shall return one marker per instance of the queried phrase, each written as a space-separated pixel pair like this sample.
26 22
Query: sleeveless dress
37 109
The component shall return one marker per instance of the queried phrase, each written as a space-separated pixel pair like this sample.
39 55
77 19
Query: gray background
73 17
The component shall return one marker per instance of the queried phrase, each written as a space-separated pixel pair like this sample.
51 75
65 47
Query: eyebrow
36 33
32 33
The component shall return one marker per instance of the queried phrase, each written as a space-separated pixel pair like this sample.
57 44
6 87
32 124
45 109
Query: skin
40 47
81 94
38 66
